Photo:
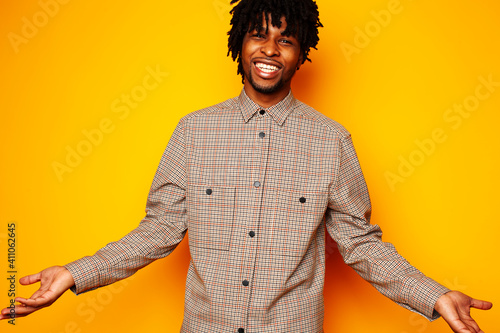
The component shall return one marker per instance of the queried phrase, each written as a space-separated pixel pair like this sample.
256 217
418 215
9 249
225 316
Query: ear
300 62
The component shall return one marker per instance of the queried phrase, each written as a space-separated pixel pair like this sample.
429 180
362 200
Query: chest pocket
297 216
210 216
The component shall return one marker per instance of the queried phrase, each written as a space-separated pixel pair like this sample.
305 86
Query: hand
454 307
54 281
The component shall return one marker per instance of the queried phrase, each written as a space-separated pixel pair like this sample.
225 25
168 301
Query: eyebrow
264 29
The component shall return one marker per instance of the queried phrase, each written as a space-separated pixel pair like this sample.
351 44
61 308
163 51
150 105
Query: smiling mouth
266 68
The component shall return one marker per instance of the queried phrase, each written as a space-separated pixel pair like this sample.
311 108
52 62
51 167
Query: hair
302 18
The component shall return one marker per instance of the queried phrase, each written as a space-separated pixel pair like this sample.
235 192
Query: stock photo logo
453 117
31 26
122 107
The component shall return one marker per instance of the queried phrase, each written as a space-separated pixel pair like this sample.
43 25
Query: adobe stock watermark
381 19
11 267
453 118
122 108
32 25
222 8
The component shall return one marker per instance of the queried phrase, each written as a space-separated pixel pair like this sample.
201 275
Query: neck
266 100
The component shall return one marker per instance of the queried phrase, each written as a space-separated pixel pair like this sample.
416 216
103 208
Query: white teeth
266 68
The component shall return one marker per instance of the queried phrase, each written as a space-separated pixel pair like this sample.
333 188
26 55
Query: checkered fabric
256 189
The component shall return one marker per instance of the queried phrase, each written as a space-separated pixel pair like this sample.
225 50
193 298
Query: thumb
482 305
30 279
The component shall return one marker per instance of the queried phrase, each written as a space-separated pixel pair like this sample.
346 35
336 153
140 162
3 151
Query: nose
270 48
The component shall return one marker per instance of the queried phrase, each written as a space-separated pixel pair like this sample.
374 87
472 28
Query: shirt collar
279 112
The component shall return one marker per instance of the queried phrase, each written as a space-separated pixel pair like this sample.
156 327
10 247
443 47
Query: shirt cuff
424 296
85 273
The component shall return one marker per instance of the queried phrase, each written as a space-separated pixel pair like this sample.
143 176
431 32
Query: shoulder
305 111
229 105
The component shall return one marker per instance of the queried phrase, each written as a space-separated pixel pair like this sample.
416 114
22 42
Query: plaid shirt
257 188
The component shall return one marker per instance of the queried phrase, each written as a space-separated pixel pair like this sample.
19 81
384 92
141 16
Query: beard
265 89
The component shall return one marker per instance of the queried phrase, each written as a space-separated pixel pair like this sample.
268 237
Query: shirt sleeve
157 235
360 243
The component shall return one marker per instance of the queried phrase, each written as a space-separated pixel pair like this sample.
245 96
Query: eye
286 41
257 35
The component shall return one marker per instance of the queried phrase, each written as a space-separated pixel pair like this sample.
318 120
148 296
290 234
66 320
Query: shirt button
209 191
251 234
262 112
241 330
262 135
246 283
302 200
256 184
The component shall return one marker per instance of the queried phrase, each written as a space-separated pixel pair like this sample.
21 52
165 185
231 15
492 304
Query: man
257 180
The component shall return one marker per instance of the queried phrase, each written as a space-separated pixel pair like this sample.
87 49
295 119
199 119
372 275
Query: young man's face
269 61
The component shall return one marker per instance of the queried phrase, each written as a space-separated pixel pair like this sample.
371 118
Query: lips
267 69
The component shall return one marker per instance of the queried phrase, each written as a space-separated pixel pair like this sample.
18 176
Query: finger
10 312
5 314
462 329
36 295
473 326
458 327
23 300
482 305
31 302
452 317
19 311
29 279
37 302
470 324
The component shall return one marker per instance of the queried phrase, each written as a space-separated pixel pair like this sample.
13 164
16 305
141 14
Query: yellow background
395 90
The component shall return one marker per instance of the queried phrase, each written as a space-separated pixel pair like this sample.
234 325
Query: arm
156 236
361 246
360 243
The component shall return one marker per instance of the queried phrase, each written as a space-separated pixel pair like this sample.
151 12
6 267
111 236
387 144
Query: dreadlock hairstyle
302 18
